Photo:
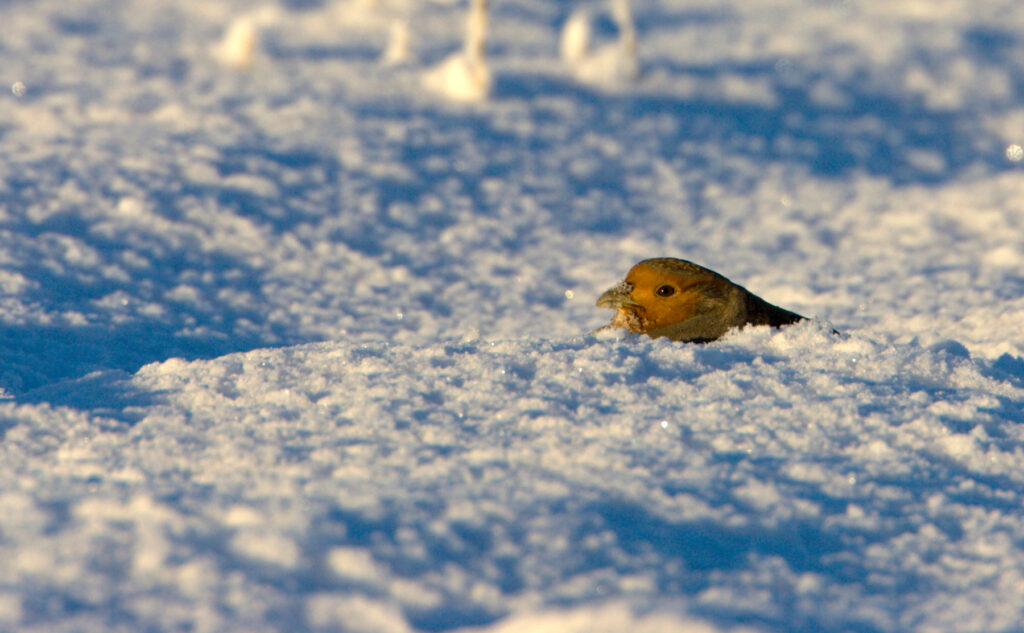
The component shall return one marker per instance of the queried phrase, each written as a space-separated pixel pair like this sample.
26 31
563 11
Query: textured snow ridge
778 477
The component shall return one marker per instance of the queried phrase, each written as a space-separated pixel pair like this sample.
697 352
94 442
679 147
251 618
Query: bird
683 301
613 64
465 76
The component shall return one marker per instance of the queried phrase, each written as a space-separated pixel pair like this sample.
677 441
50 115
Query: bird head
658 295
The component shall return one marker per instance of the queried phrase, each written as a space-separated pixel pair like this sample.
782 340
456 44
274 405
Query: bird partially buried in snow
677 299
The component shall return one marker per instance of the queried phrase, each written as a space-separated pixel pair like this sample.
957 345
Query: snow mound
375 486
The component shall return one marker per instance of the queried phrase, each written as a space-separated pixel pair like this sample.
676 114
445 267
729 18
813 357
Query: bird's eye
665 291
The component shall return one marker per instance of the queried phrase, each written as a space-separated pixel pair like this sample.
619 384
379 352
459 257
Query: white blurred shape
266 546
397 51
237 48
610 617
1014 153
611 64
357 614
575 41
355 564
18 89
465 76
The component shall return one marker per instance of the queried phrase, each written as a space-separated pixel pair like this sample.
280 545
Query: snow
290 343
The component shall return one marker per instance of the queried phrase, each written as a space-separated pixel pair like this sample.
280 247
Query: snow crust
290 343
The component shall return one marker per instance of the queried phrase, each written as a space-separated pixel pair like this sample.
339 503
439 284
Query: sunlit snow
299 329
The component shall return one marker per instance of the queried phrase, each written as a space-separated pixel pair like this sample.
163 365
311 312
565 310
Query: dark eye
665 291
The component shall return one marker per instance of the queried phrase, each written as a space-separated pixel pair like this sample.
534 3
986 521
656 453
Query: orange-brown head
680 300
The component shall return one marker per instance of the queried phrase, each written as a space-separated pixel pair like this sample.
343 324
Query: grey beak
617 297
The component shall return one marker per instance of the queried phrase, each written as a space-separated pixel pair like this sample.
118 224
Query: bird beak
617 297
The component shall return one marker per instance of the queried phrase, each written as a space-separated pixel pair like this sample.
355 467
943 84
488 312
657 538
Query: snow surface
291 344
